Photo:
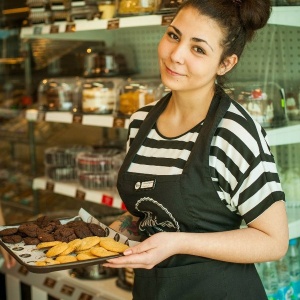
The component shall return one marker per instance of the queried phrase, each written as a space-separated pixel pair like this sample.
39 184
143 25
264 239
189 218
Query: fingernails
127 252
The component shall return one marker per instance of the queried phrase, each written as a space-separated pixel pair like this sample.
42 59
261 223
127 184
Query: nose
178 53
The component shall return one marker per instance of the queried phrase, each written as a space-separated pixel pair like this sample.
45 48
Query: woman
9 260
198 165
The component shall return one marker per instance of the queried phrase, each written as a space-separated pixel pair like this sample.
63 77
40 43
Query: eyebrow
195 39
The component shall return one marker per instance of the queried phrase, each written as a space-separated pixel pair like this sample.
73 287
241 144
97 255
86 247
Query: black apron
185 203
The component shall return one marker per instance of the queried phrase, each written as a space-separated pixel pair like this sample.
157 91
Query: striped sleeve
245 177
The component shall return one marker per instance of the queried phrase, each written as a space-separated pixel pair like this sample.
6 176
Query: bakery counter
59 285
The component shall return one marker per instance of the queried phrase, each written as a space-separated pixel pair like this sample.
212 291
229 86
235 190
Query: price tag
80 195
49 282
22 270
77 118
108 200
67 290
166 20
113 24
71 27
84 296
54 29
50 186
119 122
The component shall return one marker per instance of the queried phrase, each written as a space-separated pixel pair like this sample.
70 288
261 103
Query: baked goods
12 239
102 252
112 245
8 231
88 243
56 250
47 244
30 229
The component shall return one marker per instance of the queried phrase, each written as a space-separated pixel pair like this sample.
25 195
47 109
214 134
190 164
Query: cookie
48 244
102 252
44 236
31 241
41 263
56 250
96 229
12 239
64 234
8 231
112 245
30 229
88 243
66 259
85 256
72 246
50 261
76 223
82 231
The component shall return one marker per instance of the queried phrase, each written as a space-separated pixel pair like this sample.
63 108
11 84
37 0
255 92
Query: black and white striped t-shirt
244 178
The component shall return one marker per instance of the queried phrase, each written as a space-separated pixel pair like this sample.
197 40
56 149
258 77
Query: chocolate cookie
76 223
12 239
30 229
44 236
8 231
96 229
31 241
64 234
82 231
45 221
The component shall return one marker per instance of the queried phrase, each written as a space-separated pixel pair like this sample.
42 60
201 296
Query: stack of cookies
80 249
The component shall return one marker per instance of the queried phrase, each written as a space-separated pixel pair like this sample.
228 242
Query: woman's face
190 52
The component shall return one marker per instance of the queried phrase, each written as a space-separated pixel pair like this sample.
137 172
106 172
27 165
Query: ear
227 64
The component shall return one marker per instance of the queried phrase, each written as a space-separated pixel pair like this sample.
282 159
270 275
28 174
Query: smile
169 71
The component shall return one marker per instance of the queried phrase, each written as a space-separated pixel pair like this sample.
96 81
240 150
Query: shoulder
238 127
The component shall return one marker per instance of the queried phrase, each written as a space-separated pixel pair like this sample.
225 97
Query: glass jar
107 8
135 7
138 93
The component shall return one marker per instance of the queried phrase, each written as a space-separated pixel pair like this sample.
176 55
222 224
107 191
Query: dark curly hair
239 20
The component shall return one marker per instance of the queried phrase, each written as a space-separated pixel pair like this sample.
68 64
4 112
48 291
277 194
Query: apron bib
187 203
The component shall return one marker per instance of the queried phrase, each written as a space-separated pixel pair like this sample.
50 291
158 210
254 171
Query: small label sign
84 296
113 24
22 270
67 290
49 282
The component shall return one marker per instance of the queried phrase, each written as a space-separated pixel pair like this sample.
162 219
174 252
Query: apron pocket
201 281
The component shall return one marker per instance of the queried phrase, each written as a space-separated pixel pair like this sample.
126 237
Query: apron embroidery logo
156 218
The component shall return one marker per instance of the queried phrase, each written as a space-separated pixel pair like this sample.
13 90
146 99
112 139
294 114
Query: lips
173 73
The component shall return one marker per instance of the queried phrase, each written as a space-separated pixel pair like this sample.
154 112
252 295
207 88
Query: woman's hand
148 253
8 259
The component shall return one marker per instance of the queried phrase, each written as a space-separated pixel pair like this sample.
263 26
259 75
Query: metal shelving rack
109 30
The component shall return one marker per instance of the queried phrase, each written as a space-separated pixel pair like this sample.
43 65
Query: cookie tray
27 255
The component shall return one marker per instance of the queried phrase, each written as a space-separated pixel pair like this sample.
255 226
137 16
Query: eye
199 50
172 35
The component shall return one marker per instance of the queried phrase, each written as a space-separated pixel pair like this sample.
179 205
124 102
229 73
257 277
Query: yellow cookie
72 246
56 250
47 244
88 243
41 263
66 259
112 245
102 252
85 256
50 261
